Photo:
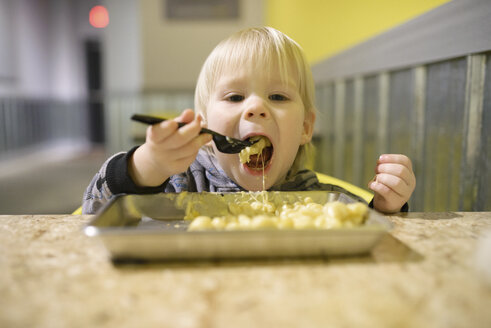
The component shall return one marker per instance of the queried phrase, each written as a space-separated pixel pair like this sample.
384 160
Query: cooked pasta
258 215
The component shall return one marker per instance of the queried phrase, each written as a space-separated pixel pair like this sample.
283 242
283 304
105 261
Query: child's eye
278 97
235 98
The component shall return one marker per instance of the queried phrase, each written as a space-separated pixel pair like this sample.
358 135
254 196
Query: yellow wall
326 27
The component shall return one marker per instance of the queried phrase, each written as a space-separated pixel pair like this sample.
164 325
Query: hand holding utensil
223 143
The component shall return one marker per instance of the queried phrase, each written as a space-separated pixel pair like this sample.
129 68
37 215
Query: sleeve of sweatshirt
113 178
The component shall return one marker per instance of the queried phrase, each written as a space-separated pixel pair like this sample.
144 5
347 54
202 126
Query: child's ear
308 127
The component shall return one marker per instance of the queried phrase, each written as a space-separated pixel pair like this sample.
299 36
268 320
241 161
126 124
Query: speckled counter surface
422 275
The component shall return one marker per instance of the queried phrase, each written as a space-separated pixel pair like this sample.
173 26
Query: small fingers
186 116
395 159
386 199
398 170
185 134
393 183
170 133
192 147
159 132
385 183
178 160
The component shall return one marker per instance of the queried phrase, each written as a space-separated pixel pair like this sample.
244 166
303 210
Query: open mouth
259 155
258 161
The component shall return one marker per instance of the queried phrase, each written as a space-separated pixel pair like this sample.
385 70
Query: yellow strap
365 194
78 211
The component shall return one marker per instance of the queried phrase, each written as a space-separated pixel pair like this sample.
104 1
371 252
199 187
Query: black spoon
224 144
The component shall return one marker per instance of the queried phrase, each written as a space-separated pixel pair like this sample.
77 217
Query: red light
99 17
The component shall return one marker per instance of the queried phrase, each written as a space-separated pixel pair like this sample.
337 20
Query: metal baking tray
152 227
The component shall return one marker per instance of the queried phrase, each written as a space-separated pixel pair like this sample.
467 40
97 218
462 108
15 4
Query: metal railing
26 123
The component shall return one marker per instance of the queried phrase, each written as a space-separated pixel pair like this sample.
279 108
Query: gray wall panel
484 171
370 128
349 130
402 119
401 116
444 134
422 89
325 124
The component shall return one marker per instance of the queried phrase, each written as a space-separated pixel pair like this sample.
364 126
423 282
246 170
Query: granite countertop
424 274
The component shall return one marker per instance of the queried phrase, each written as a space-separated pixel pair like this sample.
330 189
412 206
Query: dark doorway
93 60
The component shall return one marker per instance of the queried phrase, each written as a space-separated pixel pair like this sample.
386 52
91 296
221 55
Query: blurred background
408 76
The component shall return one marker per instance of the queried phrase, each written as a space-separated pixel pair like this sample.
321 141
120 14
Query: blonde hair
259 47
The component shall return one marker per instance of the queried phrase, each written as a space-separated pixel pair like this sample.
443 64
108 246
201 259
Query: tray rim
92 230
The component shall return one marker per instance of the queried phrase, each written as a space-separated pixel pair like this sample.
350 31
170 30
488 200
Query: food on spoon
258 152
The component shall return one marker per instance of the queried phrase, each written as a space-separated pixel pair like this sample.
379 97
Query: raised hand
393 183
167 150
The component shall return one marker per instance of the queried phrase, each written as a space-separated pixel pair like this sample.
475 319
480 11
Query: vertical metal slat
383 113
339 107
370 126
358 132
444 134
349 132
328 142
483 202
319 128
418 140
474 94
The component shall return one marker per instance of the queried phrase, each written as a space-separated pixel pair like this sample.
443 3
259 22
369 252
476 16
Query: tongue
256 161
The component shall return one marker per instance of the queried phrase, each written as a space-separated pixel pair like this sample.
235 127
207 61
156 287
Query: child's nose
256 108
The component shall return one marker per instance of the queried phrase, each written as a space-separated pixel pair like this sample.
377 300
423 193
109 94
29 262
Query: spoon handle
150 119
147 119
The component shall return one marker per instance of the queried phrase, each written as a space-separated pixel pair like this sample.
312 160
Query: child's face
248 102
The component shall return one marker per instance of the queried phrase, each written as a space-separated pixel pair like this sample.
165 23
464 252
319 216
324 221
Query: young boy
257 82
